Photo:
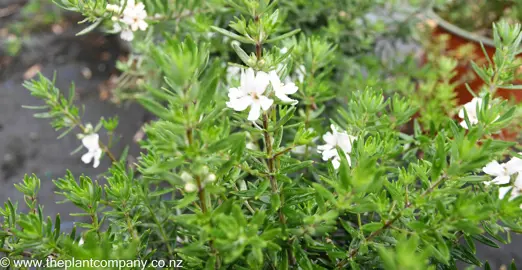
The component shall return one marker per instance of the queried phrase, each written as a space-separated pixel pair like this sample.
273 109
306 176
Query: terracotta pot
465 73
455 45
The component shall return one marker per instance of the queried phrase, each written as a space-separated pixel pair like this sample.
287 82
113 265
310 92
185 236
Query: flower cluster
334 139
251 92
191 184
502 173
132 15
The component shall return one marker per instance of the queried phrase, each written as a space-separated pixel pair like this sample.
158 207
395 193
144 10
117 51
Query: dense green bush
280 142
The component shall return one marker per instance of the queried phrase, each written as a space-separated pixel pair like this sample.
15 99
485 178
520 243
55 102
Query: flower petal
265 102
514 165
493 168
240 104
502 191
501 180
87 157
248 80
261 82
290 88
91 141
336 163
284 98
274 78
330 153
255 111
330 139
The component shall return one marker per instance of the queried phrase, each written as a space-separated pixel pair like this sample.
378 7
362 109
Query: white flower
250 93
91 142
81 242
134 16
333 140
282 90
127 35
503 172
472 109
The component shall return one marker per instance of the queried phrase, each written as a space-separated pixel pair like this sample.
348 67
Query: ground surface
29 145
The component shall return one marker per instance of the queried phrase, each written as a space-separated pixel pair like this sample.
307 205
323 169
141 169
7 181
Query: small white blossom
333 140
503 172
81 242
134 16
250 94
91 142
472 109
282 90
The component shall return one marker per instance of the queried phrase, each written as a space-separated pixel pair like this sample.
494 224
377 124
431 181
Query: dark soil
29 145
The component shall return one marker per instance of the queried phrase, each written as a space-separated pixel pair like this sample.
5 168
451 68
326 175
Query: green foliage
219 191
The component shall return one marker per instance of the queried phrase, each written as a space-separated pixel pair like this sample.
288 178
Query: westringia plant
269 161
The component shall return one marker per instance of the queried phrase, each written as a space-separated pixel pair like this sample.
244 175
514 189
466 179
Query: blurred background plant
30 17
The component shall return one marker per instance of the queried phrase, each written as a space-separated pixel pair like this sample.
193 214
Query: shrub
275 151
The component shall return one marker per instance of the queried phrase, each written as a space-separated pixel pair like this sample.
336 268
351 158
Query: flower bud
211 177
186 177
204 170
190 187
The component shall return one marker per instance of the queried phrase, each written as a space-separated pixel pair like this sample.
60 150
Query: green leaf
262 188
325 193
371 227
275 202
155 108
387 258
485 240
301 257
474 178
296 167
90 27
283 36
513 265
233 35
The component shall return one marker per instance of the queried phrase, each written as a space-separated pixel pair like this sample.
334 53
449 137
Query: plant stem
390 222
273 182
270 161
201 195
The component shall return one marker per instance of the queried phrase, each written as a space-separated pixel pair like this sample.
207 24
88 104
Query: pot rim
459 31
